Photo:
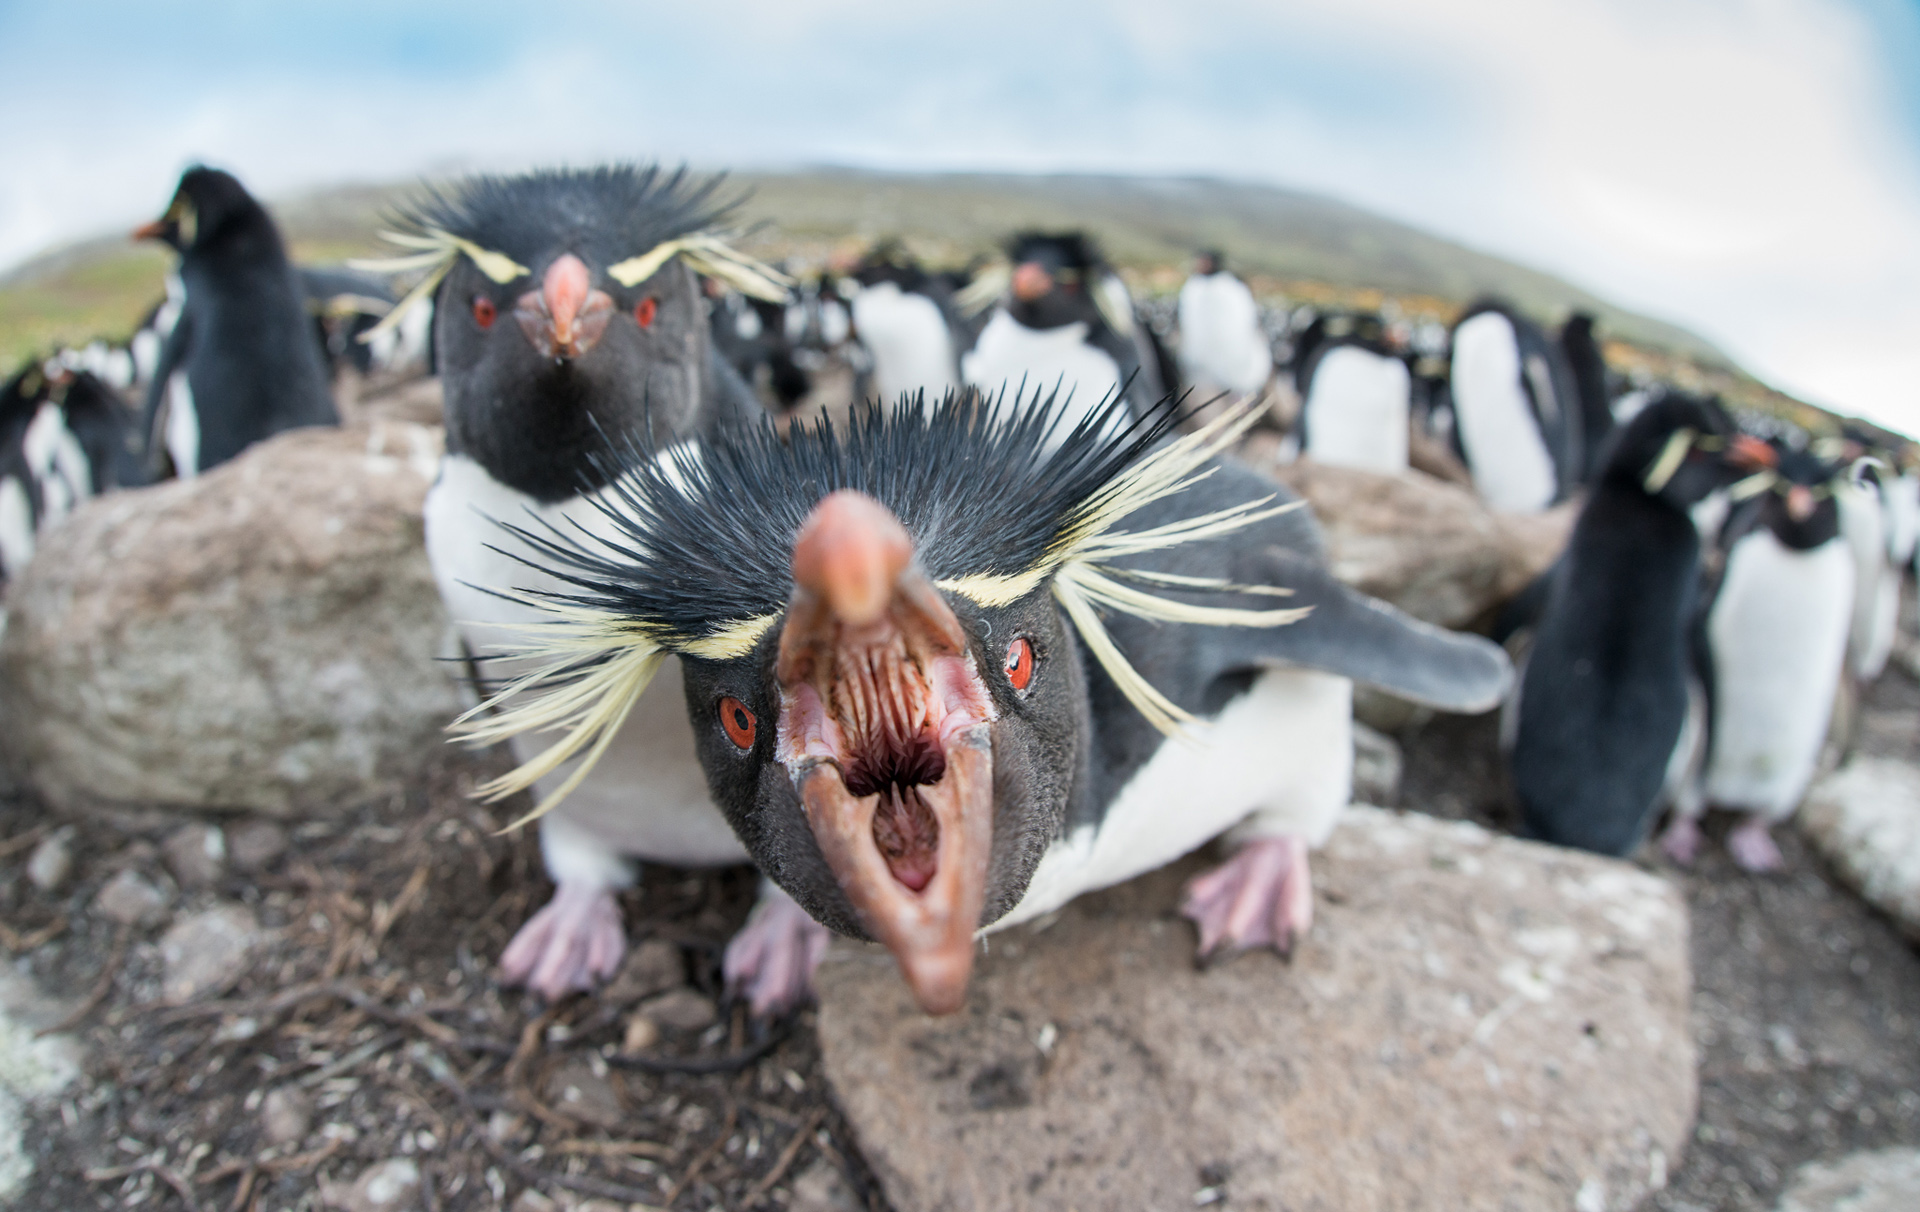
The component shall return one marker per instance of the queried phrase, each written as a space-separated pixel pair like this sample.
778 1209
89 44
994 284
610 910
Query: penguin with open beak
567 310
954 665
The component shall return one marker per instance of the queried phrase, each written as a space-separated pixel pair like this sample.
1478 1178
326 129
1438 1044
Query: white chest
1357 409
1512 467
908 338
1009 353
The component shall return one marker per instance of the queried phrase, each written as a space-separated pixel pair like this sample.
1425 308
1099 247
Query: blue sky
1750 168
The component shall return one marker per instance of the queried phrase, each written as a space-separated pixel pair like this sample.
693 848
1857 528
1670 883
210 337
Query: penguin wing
1348 633
172 355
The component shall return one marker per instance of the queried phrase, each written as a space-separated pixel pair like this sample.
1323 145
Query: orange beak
566 317
155 230
1031 282
885 728
1751 454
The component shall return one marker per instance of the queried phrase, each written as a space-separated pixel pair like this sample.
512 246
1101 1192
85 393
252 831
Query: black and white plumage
947 703
240 363
65 436
1222 346
1776 638
1604 702
1593 387
1516 411
1356 406
905 317
1066 321
568 313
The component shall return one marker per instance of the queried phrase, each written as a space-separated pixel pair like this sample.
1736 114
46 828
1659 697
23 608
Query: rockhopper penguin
952 667
1516 411
240 363
1605 715
567 314
1222 346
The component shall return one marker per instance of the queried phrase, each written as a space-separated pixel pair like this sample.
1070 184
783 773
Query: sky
1747 168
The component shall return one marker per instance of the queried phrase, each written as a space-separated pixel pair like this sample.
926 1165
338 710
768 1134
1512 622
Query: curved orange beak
566 317
885 729
1031 281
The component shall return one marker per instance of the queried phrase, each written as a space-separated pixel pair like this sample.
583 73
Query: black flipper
1528 606
1355 636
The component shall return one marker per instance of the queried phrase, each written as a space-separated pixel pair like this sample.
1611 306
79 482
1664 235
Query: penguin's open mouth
885 730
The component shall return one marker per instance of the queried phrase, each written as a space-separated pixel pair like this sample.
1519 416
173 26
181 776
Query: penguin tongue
885 728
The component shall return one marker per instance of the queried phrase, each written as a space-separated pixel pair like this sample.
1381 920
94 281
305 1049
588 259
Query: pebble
206 953
196 854
822 1188
530 1200
577 1091
506 1128
681 1010
253 845
286 1116
653 967
52 861
132 900
642 1034
388 1186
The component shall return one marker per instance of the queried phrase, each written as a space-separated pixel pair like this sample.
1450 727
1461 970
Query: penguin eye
484 311
737 722
1020 664
643 311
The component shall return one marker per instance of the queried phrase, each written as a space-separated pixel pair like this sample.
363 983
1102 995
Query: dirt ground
371 998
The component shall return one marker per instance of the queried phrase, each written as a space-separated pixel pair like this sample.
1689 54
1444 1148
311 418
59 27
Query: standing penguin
1776 635
1593 388
1222 346
65 436
903 315
1603 703
1516 411
1865 513
1067 321
240 363
568 316
946 673
1357 407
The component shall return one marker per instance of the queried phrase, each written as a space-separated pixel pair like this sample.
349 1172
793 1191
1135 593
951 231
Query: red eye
1020 664
738 722
643 311
483 311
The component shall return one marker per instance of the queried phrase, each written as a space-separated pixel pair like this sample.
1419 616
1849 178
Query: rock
131 899
1429 547
206 953
1865 817
652 967
506 1128
286 1116
681 1010
253 845
51 861
1885 1180
577 1090
387 1186
822 1188
264 636
196 854
1376 767
530 1200
35 1070
642 1034
1476 1022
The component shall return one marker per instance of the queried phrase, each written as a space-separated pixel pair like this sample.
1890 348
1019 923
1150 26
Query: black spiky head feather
604 214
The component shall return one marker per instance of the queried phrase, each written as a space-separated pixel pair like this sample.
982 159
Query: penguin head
1679 448
881 634
207 205
566 309
1054 274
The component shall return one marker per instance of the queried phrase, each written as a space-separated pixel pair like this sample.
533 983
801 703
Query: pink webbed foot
1681 841
770 962
573 943
1752 847
1261 897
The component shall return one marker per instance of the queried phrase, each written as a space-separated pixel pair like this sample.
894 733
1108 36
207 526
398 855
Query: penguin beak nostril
566 317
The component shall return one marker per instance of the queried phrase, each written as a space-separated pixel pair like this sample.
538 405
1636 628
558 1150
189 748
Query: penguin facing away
945 673
1516 414
240 363
1067 321
1603 701
568 313
1357 406
1776 633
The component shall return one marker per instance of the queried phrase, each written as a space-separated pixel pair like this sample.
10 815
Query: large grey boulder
1475 1023
1431 548
1865 817
265 636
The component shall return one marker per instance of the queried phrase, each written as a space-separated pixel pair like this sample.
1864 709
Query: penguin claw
1261 897
575 941
770 963
1752 847
1681 841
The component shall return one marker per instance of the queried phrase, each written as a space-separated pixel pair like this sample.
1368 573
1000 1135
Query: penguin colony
1017 627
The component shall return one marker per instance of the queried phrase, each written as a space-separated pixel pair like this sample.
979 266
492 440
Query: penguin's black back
247 345
1589 373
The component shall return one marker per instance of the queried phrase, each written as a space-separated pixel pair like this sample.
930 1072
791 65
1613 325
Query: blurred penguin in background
1592 384
1516 411
65 436
1222 346
1776 647
1356 407
904 317
241 362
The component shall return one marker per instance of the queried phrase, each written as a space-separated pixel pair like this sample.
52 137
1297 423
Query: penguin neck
1822 527
1055 309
